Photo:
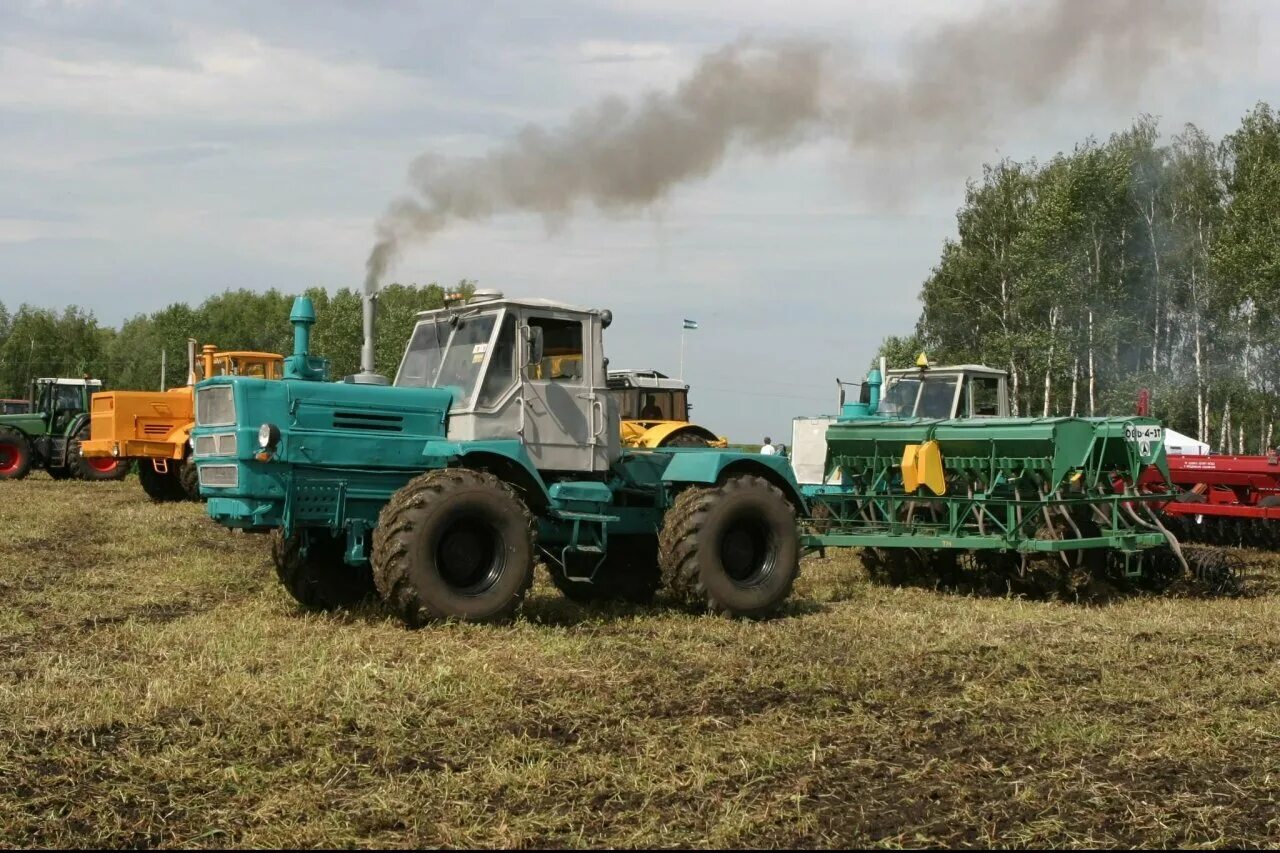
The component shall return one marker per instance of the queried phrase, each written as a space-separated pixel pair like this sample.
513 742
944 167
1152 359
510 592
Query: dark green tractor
49 435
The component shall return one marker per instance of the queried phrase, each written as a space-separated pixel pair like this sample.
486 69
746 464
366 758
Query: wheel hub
469 556
745 551
8 459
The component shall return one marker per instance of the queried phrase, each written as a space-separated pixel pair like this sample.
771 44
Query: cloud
230 77
622 51
180 155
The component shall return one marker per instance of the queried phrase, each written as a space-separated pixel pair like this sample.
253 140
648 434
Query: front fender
708 467
660 433
507 458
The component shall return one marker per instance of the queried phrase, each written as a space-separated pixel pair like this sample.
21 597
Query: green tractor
50 433
495 447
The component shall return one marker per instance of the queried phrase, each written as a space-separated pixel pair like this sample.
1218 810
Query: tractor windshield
930 397
900 398
441 355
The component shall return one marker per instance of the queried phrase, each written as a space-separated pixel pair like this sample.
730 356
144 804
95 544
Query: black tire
734 548
15 455
629 573
686 439
60 473
99 469
161 488
319 579
189 480
454 544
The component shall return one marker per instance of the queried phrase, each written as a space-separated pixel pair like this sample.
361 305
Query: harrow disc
1216 572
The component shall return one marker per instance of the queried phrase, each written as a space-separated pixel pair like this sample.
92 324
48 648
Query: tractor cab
262 365
648 395
15 407
528 368
654 409
963 391
59 401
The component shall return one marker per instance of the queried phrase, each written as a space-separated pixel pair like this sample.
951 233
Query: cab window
561 350
984 392
502 365
936 397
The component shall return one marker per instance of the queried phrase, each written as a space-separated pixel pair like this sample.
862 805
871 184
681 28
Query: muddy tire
189 479
96 468
454 544
629 573
15 455
319 579
161 488
734 548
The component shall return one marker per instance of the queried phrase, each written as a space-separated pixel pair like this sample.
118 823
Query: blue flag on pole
691 324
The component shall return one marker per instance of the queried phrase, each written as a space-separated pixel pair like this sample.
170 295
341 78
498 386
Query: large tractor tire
629 573
93 468
454 544
189 479
15 455
734 549
161 488
317 576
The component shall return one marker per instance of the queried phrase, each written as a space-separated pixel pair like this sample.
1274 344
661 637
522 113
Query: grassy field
157 688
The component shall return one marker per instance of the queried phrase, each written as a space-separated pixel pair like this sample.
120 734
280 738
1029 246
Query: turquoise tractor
495 446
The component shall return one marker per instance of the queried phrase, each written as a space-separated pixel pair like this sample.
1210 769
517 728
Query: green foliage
39 342
1134 263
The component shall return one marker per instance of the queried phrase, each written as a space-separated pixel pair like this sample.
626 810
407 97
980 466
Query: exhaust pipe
368 374
191 361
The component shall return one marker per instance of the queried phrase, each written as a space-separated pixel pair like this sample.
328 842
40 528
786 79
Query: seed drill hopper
930 484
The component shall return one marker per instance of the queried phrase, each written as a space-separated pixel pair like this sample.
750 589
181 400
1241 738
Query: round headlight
268 436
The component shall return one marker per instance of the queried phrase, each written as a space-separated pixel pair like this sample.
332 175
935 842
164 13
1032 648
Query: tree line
1138 262
38 342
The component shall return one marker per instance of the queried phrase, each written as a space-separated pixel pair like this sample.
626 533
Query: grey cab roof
522 302
60 380
647 379
949 370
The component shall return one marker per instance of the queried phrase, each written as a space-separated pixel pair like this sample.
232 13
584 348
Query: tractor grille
215 406
222 444
155 430
219 476
368 420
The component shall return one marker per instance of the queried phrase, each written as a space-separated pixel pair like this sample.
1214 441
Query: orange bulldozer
154 427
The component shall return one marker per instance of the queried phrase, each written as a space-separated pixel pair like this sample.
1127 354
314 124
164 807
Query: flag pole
683 331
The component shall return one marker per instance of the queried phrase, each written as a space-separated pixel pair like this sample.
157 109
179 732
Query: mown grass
157 688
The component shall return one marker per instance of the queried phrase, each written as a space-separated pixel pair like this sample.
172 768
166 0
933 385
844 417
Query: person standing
768 449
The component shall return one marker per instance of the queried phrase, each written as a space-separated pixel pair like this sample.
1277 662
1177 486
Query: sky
157 152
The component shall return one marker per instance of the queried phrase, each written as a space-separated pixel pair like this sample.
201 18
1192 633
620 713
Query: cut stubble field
157 688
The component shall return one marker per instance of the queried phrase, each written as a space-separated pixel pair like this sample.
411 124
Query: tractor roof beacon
496 445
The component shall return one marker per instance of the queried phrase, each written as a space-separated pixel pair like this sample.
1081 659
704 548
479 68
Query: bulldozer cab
520 368
648 395
963 391
261 365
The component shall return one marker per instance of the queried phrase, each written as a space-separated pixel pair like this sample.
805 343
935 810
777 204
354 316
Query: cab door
563 413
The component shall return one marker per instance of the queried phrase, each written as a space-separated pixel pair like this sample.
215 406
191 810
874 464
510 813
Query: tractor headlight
268 436
115 450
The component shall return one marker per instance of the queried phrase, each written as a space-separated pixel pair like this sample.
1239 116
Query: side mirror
535 344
